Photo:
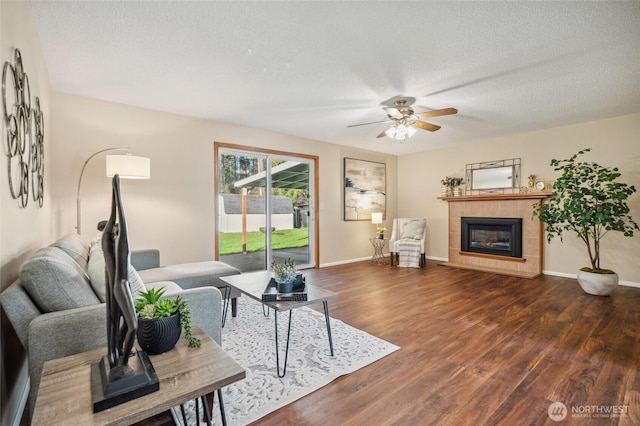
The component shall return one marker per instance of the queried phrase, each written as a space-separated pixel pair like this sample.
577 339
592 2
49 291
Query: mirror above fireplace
493 177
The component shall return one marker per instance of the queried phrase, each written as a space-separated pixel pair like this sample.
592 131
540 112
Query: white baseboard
565 275
344 262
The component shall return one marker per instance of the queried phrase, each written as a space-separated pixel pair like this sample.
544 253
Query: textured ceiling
312 68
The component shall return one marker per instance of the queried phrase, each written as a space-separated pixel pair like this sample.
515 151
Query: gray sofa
186 275
56 310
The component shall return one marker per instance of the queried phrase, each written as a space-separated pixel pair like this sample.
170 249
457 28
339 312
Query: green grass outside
231 242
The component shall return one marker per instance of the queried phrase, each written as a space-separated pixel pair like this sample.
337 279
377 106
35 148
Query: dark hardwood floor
477 348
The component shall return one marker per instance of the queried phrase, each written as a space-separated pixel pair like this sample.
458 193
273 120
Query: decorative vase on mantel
444 191
457 191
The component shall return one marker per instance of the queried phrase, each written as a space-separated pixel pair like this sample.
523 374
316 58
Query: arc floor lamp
127 166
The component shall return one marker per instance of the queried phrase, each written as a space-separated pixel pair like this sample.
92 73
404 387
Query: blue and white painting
364 189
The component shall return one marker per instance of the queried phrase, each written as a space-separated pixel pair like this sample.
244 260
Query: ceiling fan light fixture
391 131
401 132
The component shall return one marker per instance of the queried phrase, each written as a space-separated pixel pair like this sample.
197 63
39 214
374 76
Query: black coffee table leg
286 353
326 317
226 292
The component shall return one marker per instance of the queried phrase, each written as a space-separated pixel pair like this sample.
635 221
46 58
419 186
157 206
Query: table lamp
376 219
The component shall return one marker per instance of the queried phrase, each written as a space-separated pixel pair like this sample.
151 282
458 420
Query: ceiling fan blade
426 126
393 112
438 112
383 134
366 124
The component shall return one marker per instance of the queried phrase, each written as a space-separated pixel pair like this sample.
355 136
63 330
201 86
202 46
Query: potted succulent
590 202
285 274
160 322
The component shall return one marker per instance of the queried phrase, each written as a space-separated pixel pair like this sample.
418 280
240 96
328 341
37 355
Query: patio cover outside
288 175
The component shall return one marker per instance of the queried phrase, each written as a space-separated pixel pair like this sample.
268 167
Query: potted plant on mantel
590 202
451 186
160 322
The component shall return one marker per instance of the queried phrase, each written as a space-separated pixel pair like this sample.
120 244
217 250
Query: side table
378 257
64 396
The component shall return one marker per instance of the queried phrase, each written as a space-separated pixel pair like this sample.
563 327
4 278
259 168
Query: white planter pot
597 284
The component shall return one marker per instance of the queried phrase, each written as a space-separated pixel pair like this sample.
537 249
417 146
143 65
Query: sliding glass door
265 208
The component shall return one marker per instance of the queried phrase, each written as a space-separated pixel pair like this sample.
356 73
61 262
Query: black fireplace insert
492 235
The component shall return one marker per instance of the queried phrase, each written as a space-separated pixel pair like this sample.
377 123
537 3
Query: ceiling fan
405 120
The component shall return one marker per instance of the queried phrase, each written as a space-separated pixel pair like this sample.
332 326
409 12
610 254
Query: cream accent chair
405 228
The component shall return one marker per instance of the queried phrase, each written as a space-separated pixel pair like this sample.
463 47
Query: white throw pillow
98 276
96 271
413 230
137 286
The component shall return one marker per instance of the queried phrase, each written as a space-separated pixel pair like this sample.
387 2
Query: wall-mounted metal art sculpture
24 134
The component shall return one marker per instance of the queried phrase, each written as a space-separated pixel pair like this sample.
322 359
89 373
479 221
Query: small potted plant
160 322
450 186
445 187
455 183
285 274
380 232
589 202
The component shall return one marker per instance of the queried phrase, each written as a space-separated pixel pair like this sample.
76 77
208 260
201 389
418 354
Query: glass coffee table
253 284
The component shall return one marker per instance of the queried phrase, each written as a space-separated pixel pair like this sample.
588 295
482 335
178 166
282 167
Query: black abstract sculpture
122 321
115 380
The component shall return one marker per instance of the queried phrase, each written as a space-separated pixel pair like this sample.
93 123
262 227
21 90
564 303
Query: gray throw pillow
413 230
56 282
73 245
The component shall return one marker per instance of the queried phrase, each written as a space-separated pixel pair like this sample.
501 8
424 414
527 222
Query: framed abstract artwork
364 189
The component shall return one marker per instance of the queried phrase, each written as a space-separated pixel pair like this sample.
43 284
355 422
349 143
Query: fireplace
491 235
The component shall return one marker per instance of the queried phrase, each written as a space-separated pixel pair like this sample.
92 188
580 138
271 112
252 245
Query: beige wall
173 211
614 142
22 230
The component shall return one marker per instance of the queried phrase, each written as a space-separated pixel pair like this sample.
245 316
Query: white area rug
249 339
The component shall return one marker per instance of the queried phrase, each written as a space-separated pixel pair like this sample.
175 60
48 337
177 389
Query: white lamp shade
128 166
376 218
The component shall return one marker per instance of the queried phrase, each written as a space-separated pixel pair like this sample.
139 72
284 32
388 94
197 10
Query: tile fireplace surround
503 206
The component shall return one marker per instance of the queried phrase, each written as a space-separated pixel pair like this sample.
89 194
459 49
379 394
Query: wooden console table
185 373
